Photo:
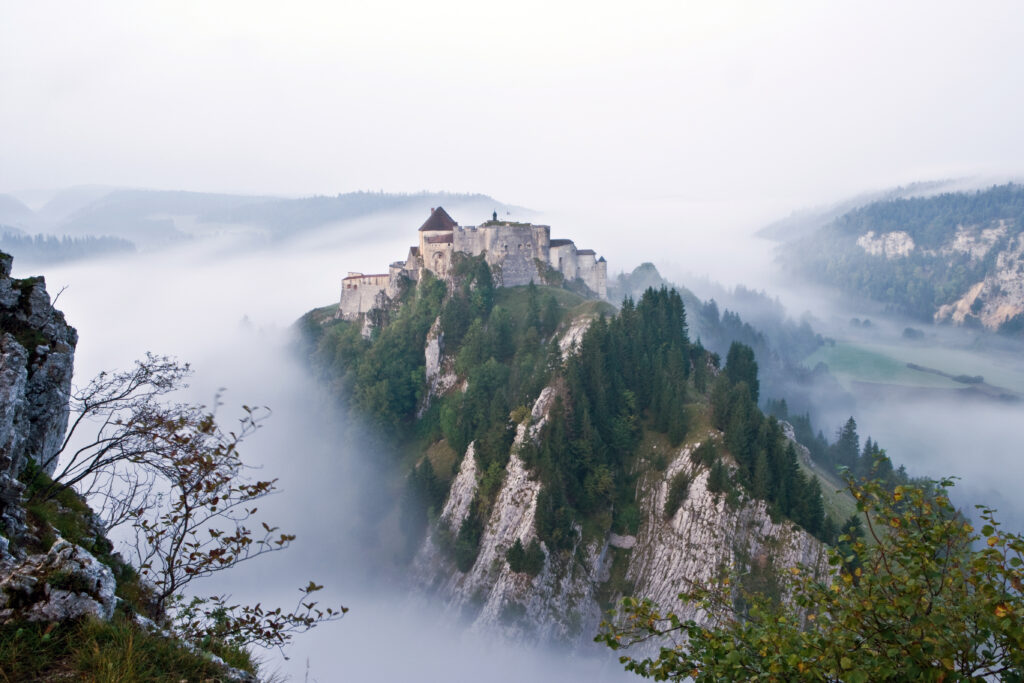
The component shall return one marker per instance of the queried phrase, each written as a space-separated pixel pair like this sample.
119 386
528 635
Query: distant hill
13 212
289 216
807 221
955 256
152 218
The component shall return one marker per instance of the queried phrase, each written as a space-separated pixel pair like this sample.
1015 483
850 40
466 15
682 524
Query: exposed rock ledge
64 584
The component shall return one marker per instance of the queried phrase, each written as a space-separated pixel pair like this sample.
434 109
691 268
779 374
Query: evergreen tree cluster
502 345
767 461
52 249
528 559
869 462
633 367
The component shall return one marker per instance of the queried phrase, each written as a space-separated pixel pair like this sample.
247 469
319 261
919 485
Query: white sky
536 102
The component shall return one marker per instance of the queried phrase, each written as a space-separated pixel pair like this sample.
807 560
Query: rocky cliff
566 600
37 349
550 432
62 586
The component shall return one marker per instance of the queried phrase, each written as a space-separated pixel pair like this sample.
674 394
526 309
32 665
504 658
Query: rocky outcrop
37 351
706 535
564 601
890 245
999 297
559 604
64 584
440 369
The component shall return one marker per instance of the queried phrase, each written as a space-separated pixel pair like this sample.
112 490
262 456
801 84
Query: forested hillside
953 256
634 376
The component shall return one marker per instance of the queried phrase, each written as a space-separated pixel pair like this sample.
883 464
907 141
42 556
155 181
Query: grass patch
443 459
839 504
655 450
849 362
92 650
516 300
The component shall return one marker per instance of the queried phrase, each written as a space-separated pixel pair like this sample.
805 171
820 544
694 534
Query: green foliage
467 541
92 650
383 379
677 490
767 461
529 560
69 581
422 499
705 454
634 365
928 599
740 366
718 479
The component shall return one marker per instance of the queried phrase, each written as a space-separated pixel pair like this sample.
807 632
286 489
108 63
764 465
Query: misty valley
489 442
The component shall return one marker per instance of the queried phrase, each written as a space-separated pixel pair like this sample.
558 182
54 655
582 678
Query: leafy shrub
678 488
529 560
705 454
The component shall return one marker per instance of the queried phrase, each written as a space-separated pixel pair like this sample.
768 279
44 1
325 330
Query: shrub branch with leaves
171 472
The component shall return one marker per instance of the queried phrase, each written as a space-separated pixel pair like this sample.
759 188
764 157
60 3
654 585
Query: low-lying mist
225 305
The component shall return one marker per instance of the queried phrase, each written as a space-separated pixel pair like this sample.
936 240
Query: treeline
869 462
51 249
916 284
767 462
631 368
780 343
933 220
637 370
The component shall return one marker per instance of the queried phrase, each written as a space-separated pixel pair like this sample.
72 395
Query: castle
518 254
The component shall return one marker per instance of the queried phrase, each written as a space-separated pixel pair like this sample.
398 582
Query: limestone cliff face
995 295
565 601
707 534
1000 295
37 350
559 604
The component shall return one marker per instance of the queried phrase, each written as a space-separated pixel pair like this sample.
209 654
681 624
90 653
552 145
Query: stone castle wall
594 273
563 259
359 293
513 250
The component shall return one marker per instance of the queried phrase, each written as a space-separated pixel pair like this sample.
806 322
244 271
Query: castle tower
437 236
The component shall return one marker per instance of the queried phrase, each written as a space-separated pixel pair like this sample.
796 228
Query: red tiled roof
439 221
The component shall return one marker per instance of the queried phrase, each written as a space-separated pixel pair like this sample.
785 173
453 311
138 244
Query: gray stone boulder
64 584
